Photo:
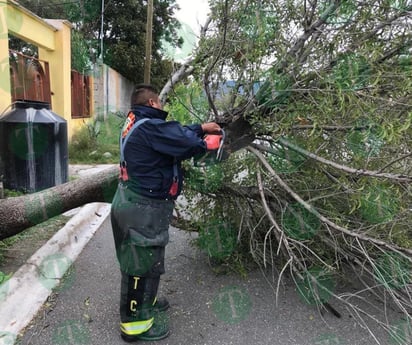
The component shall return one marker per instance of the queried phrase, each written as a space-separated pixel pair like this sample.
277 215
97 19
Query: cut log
20 213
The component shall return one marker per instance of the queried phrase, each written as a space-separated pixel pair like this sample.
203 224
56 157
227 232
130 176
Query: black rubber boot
158 331
138 303
161 304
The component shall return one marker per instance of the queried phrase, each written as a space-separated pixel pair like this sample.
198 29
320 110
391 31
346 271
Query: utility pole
101 32
105 92
149 26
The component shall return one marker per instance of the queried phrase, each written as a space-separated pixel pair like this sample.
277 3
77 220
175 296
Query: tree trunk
19 213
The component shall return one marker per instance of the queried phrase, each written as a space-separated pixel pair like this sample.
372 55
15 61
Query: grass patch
10 193
97 141
15 250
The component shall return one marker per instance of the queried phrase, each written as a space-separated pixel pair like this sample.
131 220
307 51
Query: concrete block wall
112 91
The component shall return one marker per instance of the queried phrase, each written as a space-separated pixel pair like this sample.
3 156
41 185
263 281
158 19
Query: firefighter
151 151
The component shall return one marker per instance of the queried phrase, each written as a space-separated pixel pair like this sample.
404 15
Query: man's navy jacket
153 148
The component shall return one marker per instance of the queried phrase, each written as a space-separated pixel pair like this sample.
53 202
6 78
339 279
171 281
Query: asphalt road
206 308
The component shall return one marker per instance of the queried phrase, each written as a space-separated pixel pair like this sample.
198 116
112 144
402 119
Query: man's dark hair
142 94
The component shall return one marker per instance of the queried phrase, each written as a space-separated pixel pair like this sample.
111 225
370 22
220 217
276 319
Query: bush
97 141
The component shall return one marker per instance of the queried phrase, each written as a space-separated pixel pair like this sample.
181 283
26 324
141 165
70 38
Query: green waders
141 232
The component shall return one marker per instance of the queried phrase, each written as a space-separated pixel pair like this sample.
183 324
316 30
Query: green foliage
285 160
22 46
275 89
317 286
4 277
97 138
84 12
299 223
351 71
328 88
83 140
80 53
124 27
217 238
93 128
9 193
187 104
393 270
206 179
343 13
400 233
379 204
124 42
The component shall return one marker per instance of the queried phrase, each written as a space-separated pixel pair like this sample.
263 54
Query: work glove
211 128
212 141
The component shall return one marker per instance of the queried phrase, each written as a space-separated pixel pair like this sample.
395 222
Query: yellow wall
60 66
5 97
53 40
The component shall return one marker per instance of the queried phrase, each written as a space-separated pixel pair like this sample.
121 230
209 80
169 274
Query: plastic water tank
33 147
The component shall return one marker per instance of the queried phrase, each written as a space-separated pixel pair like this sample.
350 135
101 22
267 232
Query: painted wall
52 37
112 91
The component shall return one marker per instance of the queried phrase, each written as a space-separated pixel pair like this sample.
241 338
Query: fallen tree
19 213
325 86
324 192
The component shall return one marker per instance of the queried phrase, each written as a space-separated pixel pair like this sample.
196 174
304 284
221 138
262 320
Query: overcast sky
193 13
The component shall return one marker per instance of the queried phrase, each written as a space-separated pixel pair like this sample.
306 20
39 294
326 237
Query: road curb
25 292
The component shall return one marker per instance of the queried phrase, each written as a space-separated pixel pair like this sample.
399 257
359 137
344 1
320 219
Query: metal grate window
30 78
80 95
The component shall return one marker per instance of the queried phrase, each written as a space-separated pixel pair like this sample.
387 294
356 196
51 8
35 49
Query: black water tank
33 147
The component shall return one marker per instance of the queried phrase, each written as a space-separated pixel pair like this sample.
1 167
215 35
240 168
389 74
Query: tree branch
395 161
359 172
184 70
325 220
330 128
300 42
180 74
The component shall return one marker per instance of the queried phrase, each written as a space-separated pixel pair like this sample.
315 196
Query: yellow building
52 37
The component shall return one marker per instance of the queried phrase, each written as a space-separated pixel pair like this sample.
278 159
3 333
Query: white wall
112 91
